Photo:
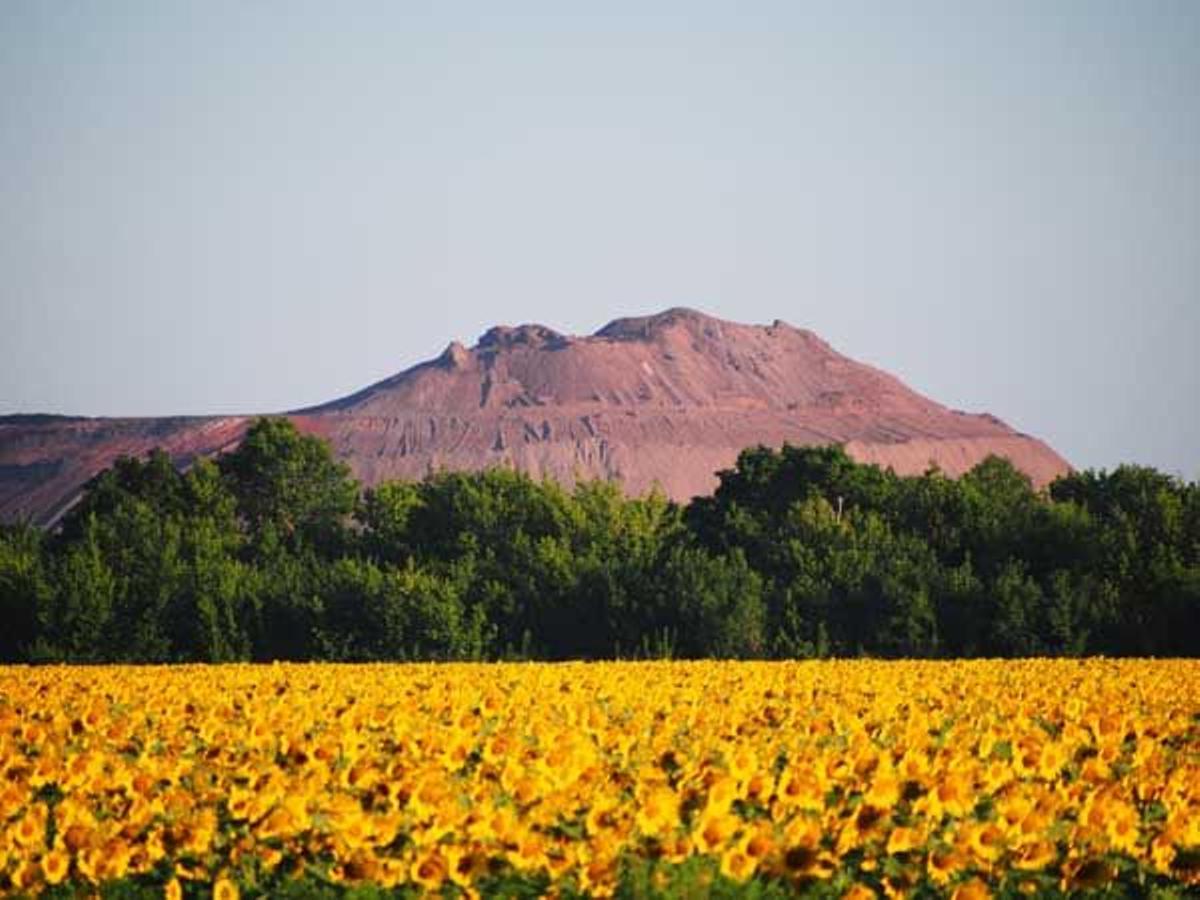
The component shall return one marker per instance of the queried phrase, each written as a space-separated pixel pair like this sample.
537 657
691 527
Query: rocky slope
661 400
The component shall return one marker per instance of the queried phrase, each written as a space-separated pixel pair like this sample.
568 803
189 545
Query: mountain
667 399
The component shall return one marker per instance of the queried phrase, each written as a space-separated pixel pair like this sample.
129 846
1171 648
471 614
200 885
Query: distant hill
663 400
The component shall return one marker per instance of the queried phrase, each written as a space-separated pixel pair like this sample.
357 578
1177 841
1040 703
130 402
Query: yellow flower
801 861
952 796
224 889
30 833
25 875
865 825
498 825
392 872
758 842
975 889
603 816
803 831
721 794
1035 856
429 870
985 841
860 891
117 854
12 799
743 763
714 830
885 788
904 839
599 878
463 864
409 773
943 864
1162 854
55 865
802 790
1121 827
240 802
676 849
173 890
1052 759
658 812
737 864
91 864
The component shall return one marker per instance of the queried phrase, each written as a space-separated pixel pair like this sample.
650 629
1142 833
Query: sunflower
985 842
974 889
943 864
903 839
952 796
658 811
55 865
737 865
714 830
885 787
802 790
860 891
1035 856
429 870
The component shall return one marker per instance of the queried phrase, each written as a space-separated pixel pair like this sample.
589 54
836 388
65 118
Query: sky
252 207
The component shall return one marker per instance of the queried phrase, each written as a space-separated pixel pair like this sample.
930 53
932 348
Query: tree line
272 551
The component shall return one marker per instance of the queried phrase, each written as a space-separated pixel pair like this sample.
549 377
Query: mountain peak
662 400
529 335
632 328
455 356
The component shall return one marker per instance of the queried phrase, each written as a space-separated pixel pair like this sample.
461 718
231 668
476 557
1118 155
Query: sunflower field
859 778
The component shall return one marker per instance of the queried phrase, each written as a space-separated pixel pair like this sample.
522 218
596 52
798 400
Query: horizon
230 211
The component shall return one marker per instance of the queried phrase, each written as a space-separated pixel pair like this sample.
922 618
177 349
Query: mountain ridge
662 400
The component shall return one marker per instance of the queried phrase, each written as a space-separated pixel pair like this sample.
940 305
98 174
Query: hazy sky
241 207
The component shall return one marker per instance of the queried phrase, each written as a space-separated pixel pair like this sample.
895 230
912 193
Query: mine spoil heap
664 400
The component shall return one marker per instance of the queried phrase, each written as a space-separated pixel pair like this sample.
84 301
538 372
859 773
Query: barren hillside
661 400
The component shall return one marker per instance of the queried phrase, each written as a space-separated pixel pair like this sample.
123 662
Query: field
639 778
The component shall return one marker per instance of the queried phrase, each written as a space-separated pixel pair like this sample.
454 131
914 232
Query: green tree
289 487
961 605
384 514
396 614
1001 506
712 606
284 609
153 482
76 625
1016 600
24 590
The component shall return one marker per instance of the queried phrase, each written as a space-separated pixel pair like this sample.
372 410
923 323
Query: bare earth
664 400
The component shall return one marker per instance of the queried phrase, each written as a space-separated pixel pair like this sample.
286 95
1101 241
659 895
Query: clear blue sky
212 207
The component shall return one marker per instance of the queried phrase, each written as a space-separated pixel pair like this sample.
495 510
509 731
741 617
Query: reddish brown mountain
666 399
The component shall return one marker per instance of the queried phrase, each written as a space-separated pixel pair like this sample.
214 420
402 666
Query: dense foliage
272 552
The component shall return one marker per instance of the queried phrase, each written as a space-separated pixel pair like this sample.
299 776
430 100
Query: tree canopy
272 552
